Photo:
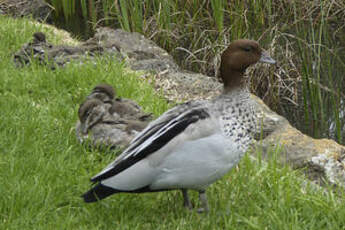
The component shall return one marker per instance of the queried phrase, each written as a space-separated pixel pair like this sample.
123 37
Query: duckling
103 128
128 109
103 92
35 49
124 107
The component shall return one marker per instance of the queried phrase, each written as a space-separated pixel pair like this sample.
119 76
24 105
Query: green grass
44 170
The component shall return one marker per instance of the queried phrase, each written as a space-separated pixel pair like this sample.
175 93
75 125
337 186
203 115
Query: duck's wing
156 135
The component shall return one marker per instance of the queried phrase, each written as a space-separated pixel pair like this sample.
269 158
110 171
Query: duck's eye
86 114
247 48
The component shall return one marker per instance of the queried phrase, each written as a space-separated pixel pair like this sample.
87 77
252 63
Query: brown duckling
103 128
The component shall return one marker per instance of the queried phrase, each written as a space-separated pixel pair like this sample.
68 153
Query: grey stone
140 52
56 55
38 9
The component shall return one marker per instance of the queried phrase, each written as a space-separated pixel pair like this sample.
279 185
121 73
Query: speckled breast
238 122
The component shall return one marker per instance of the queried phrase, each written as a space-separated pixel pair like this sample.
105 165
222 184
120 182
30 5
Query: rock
323 160
140 52
38 9
181 86
331 164
54 55
34 49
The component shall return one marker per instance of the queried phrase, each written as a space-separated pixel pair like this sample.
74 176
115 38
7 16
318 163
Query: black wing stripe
149 131
175 129
144 137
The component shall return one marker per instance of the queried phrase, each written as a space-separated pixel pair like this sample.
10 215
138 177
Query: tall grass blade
84 9
218 13
123 15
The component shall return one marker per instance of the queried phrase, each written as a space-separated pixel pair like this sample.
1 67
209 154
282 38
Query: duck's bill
266 58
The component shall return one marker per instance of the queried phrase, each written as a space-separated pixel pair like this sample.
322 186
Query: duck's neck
233 81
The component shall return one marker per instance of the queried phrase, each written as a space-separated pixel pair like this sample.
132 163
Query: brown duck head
239 55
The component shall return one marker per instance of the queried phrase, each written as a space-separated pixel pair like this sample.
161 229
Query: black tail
98 192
